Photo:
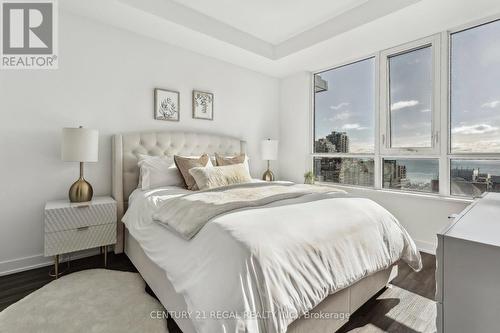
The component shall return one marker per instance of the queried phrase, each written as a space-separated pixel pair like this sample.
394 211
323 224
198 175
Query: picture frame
203 105
167 105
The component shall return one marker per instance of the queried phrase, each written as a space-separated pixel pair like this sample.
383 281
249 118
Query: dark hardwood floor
406 306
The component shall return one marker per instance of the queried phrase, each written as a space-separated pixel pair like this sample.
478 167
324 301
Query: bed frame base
343 302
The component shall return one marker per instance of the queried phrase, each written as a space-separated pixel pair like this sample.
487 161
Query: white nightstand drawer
79 239
79 215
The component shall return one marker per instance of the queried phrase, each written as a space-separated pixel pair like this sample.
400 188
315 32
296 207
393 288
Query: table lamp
269 151
80 145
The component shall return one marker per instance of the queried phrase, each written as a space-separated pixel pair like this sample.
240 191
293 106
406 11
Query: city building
324 146
340 140
394 173
356 172
344 171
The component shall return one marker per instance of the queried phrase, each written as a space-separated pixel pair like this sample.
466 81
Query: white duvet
257 270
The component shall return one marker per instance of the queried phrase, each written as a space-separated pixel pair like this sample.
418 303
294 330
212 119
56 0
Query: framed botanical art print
203 105
166 105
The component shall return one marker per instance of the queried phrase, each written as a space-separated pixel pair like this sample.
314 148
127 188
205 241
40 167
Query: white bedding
276 262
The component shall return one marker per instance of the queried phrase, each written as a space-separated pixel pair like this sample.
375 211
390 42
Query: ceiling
273 21
282 37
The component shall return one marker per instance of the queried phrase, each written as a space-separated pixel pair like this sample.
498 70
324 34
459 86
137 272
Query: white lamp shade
80 145
269 149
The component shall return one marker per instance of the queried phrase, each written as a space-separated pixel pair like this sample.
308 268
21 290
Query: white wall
295 143
105 80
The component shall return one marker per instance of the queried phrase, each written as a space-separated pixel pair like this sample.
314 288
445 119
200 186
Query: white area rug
95 300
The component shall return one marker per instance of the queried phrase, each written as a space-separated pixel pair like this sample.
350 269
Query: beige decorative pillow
229 160
211 177
184 163
221 160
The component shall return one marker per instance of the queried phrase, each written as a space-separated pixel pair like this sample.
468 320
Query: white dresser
72 227
468 270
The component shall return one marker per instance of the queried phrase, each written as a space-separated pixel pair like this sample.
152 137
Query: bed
157 253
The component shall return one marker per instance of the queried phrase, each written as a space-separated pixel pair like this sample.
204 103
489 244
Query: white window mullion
378 161
444 138
383 101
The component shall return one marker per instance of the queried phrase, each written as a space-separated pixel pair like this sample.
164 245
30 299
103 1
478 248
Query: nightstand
73 227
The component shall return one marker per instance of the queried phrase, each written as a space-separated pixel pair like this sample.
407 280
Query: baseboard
39 260
426 247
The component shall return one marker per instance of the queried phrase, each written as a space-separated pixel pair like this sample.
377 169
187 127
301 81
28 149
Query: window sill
402 193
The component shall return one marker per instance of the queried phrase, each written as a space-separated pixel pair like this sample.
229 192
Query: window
409 113
473 177
409 82
438 128
411 174
475 110
344 124
410 91
475 93
344 109
351 171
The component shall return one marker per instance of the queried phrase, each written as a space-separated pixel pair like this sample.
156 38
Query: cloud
474 129
425 110
403 104
475 146
339 106
357 127
341 116
491 105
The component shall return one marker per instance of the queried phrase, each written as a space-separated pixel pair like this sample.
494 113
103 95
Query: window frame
448 56
466 158
441 135
346 156
447 68
411 157
312 127
385 102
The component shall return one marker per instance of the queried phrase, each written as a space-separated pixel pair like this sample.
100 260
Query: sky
348 105
485 166
475 93
410 76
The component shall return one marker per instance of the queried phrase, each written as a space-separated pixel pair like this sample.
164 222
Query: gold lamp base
268 176
81 190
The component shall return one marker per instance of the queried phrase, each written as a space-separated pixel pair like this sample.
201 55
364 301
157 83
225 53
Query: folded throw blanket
188 214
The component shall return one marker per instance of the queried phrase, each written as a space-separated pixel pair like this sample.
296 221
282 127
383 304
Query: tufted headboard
126 148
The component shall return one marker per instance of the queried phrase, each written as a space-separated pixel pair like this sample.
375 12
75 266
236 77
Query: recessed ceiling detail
273 21
272 29
333 38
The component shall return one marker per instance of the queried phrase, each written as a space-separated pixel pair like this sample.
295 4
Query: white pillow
212 177
157 171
